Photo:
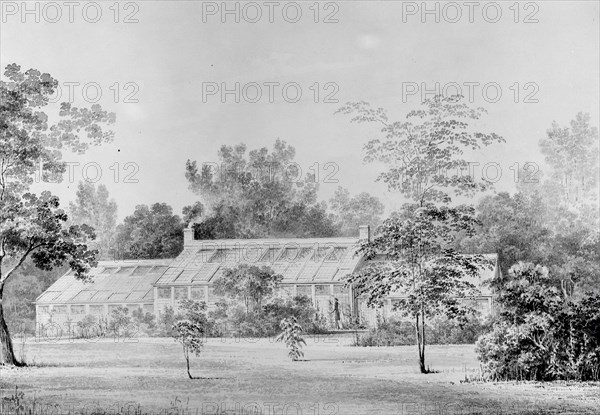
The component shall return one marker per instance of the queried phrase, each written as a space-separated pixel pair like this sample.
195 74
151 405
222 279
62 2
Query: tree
150 233
515 227
426 157
421 265
261 194
572 154
191 330
351 212
33 226
93 207
248 283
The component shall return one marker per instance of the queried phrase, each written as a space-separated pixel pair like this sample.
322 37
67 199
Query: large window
164 292
304 290
181 293
77 309
322 290
59 309
43 309
96 309
198 293
113 307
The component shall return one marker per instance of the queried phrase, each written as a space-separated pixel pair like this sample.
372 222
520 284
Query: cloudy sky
169 55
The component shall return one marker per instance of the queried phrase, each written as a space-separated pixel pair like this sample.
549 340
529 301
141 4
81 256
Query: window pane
112 307
322 290
181 293
340 289
198 293
59 309
148 308
304 290
164 292
96 309
44 309
77 309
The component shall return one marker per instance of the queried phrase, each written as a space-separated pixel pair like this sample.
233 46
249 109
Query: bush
399 332
539 334
232 318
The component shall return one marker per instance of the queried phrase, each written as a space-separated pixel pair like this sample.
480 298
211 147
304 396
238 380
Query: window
322 290
304 290
59 309
164 292
113 307
44 309
340 289
148 308
286 290
181 293
77 309
96 309
132 307
198 293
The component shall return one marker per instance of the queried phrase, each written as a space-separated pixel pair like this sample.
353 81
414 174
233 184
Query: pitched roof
311 260
111 282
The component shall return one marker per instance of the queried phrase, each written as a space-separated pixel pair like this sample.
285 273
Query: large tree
425 155
258 194
425 161
350 212
151 232
94 207
421 266
33 226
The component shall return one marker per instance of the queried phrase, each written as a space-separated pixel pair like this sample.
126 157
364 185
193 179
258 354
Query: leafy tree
150 233
515 227
425 154
291 335
248 283
93 207
572 153
259 194
33 226
191 330
351 212
421 264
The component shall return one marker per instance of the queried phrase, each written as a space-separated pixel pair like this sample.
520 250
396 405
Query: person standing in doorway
336 314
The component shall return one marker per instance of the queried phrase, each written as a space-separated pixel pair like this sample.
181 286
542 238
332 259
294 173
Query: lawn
246 375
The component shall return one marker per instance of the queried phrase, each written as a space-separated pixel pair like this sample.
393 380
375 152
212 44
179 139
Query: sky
161 67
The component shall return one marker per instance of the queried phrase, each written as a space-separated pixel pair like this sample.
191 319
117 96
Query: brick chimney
188 233
364 233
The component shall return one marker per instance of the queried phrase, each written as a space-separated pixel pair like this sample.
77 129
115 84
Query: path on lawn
249 373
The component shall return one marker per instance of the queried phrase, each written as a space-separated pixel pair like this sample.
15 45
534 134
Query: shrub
292 337
539 334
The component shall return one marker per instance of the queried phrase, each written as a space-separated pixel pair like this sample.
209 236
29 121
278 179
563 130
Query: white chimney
364 233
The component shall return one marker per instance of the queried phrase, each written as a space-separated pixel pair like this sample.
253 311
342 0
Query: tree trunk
420 333
186 354
7 353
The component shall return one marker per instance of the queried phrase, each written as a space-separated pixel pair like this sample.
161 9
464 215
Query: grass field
246 375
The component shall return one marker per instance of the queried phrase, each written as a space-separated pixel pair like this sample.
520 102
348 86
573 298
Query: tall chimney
364 233
188 234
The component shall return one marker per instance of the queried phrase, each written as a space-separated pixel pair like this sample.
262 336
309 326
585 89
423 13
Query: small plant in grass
191 331
292 337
